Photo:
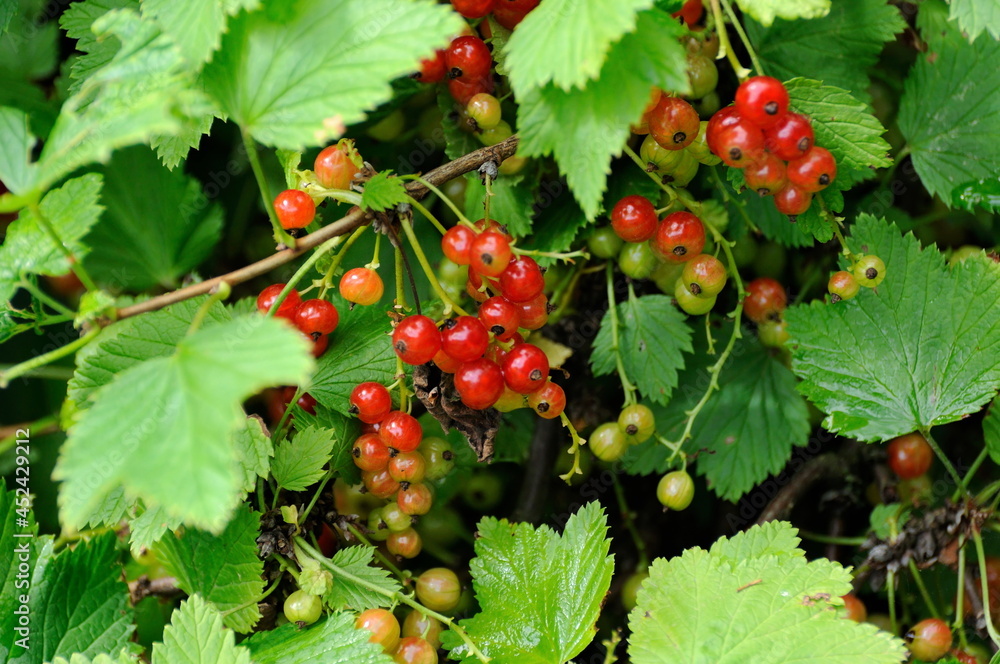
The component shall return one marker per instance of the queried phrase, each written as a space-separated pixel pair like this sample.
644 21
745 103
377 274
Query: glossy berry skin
464 338
319 344
446 362
473 8
679 237
675 490
457 244
287 307
523 280
704 275
306 402
658 159
301 607
334 168
637 423
400 431
462 90
674 123
383 626
414 650
407 468
813 171
929 639
509 13
633 219
702 74
479 383
379 483
792 200
425 627
406 544
910 456
485 110
762 100
490 254
604 243
433 69
854 608
699 148
316 317
370 453
721 120
692 304
534 314
294 208
607 442
362 285
690 12
738 145
439 589
395 518
414 499
510 400
765 300
500 316
790 137
525 368
416 339
637 260
370 401
439 458
773 333
468 59
842 286
767 176
549 402
869 271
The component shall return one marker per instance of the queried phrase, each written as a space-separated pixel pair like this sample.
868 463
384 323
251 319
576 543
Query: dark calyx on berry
871 273
680 137
771 108
695 288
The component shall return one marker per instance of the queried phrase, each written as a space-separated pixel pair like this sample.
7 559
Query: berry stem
964 486
738 204
566 256
47 424
403 576
338 259
27 366
831 539
220 294
280 236
743 36
628 518
725 48
984 581
374 265
890 587
611 646
627 385
944 459
563 293
322 483
400 303
488 184
339 195
301 272
447 201
425 265
44 298
75 265
574 449
428 215
835 225
928 602
958 625
394 595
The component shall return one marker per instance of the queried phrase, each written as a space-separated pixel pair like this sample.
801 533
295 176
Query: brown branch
354 219
144 587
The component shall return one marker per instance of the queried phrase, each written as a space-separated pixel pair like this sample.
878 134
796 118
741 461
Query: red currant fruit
509 401
767 175
854 608
457 244
500 316
464 338
474 287
690 13
549 402
525 368
432 69
479 383
463 91
869 271
739 144
534 314
702 73
445 362
704 275
723 119
637 423
523 280
637 260
633 219
301 607
813 171
379 483
929 640
468 59
789 138
792 201
509 13
604 243
406 544
319 344
659 159
414 499
414 650
287 307
395 518
438 456
485 110
306 402
607 442
407 468
490 254
362 285
473 8
910 456
692 304
400 431
316 317
842 286
762 100
370 453
674 123
773 333
426 627
679 237
334 168
383 626
439 589
765 300
416 339
675 490
295 209
370 401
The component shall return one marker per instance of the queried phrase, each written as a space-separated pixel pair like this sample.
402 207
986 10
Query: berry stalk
574 449
725 48
984 581
280 236
75 265
450 304
743 36
41 360
627 385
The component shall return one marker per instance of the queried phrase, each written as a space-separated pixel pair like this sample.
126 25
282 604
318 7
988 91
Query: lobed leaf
347 594
334 640
766 11
298 464
196 635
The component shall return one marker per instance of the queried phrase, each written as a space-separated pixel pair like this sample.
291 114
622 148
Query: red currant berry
473 8
813 171
929 640
607 442
633 219
316 317
370 401
463 91
414 498
474 287
362 285
766 176
468 58
479 383
723 119
739 144
500 316
306 402
379 483
370 453
400 431
334 168
485 110
407 468
525 368
534 314
509 13
704 275
549 402
490 254
792 201
406 544
790 138
910 456
439 589
445 362
674 123
295 209
416 339
762 100
493 225
426 627
414 650
679 237
869 271
690 13
637 422
319 344
303 608
523 280
457 244
854 608
432 69
287 307
464 338
842 286
383 626
765 300
439 457
675 490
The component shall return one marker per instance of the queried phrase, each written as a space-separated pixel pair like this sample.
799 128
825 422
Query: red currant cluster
315 318
507 13
466 64
335 167
765 303
675 144
759 135
610 441
867 271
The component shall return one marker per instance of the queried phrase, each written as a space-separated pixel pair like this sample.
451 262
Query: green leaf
558 224
383 191
975 17
77 658
652 337
158 225
149 527
190 399
991 431
8 10
224 569
760 209
843 126
874 386
79 603
766 11
196 635
298 464
16 143
253 451
585 128
512 202
20 539
752 594
749 427
332 641
346 427
196 26
28 249
78 21
983 193
950 121
346 594
298 81
29 51
539 593
838 49
566 42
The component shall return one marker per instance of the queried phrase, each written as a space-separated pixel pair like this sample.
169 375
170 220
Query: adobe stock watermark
21 555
